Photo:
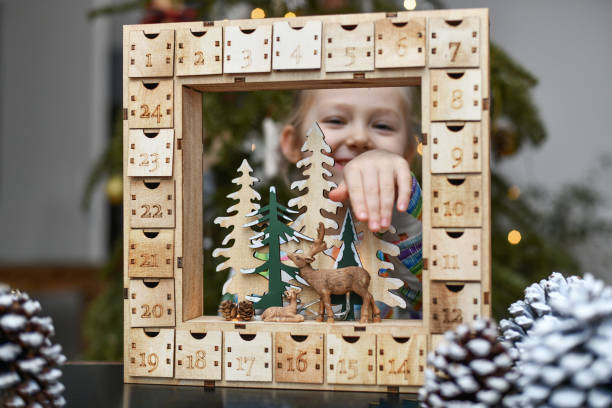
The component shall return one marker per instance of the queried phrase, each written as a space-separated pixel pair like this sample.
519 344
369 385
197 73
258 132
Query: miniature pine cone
474 368
566 357
29 373
245 310
228 309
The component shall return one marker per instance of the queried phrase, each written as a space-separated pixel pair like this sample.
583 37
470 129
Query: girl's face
355 120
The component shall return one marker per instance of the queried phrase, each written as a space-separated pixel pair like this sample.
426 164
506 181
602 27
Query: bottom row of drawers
316 358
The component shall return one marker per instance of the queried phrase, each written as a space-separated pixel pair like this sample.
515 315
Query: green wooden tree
276 232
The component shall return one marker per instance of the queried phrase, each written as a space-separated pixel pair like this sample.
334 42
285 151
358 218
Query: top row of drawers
279 46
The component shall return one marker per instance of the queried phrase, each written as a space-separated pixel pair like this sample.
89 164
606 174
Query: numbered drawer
152 203
351 360
297 47
299 358
456 95
151 302
199 52
456 201
150 153
454 43
151 353
349 47
151 253
151 54
456 147
453 303
247 50
198 355
401 360
247 357
455 254
400 43
150 104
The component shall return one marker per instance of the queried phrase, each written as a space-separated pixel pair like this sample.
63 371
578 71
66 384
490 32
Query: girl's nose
359 139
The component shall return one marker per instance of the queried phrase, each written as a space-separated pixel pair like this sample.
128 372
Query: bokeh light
258 13
409 4
514 237
289 14
514 192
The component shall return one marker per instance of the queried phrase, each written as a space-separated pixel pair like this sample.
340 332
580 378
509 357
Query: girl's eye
384 126
334 121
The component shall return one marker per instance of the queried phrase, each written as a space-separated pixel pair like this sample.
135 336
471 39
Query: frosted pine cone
566 358
29 373
474 369
228 309
245 310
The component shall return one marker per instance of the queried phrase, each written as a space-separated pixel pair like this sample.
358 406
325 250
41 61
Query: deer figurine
327 282
286 313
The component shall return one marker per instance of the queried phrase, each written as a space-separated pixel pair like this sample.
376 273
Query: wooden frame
166 69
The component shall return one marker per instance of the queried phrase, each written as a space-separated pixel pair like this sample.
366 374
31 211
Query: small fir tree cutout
276 233
239 254
369 247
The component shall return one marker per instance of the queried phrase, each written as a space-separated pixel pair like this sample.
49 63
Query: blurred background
60 146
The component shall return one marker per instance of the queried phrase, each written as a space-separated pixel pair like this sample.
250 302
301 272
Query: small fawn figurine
327 282
286 313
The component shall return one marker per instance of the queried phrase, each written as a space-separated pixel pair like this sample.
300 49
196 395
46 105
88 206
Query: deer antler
318 245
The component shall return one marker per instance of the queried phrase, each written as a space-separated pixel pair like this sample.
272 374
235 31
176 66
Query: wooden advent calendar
168 67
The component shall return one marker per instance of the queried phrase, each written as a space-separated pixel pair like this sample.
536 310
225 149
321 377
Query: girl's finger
339 193
404 186
352 179
372 197
387 196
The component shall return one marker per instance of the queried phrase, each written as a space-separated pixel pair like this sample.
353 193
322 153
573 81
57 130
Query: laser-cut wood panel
297 48
348 48
247 50
453 303
152 302
199 51
151 152
152 203
198 355
349 361
298 359
150 352
401 360
151 103
456 147
456 95
247 357
151 253
151 54
456 201
454 43
456 254
400 43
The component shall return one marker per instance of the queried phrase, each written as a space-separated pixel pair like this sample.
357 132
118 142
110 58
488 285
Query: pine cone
245 310
29 373
228 309
566 358
533 307
474 368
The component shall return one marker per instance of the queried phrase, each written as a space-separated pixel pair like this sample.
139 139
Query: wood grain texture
151 53
401 360
454 43
456 147
351 360
151 203
151 253
296 46
456 95
199 52
151 302
247 48
198 355
151 153
453 303
150 353
150 103
400 43
348 48
298 359
247 357
456 201
456 254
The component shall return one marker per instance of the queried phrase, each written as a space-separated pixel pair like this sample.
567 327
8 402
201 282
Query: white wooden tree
240 255
380 286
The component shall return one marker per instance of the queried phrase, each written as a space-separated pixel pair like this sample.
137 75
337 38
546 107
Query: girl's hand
371 181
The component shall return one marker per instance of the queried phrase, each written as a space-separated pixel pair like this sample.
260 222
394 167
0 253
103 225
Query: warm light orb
514 192
409 4
253 147
289 14
258 13
420 149
514 237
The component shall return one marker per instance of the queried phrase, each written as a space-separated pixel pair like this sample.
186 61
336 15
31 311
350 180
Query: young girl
369 132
